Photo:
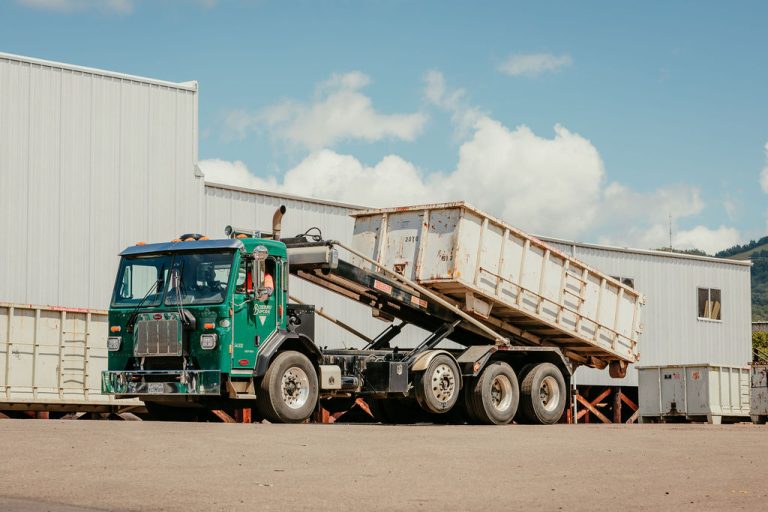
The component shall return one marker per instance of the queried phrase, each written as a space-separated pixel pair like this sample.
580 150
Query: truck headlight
208 341
113 343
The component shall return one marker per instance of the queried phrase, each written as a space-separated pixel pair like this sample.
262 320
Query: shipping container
694 392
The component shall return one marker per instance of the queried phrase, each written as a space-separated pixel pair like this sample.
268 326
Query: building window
709 304
626 281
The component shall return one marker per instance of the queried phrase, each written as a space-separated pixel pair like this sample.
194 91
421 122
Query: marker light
209 326
113 343
114 328
207 341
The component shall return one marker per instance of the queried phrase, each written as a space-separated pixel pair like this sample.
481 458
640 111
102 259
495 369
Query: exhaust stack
277 222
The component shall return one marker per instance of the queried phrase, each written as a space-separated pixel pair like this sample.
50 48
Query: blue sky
661 106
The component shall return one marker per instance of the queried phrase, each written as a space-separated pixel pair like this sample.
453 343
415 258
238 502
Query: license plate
155 388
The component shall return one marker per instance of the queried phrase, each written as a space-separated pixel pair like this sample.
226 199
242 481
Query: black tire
437 387
467 408
162 412
542 395
290 372
759 420
495 395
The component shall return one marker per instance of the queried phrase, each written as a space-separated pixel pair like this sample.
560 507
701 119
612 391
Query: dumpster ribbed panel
53 355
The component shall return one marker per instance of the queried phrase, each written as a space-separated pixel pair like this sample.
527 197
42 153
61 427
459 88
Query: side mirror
258 269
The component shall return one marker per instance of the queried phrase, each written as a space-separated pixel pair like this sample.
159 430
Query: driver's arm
269 283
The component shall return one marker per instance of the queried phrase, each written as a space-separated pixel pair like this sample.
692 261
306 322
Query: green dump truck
198 323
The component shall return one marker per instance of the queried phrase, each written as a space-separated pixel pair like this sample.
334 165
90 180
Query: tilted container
512 281
693 392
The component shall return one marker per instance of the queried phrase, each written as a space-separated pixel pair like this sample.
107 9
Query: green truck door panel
255 321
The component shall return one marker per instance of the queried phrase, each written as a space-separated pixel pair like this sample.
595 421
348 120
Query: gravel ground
99 465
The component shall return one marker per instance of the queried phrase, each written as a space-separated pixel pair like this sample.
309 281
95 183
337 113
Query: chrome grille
157 338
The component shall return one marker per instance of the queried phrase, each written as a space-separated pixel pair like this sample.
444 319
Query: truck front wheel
288 391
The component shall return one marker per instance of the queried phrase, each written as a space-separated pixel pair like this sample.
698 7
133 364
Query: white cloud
463 115
326 174
553 186
533 64
764 173
642 219
119 6
706 239
539 184
234 173
339 112
544 185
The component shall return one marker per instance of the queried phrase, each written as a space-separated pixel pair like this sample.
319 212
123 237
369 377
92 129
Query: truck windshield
182 278
141 277
199 278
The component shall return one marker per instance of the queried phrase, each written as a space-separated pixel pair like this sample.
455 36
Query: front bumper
161 382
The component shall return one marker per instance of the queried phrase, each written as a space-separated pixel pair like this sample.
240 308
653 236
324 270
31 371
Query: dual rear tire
496 398
492 397
543 395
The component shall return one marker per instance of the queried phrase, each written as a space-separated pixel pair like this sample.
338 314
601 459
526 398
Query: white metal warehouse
92 161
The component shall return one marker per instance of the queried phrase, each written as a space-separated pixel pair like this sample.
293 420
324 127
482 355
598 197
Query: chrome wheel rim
443 383
549 393
501 393
294 387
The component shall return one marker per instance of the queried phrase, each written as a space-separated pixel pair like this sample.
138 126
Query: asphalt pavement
75 466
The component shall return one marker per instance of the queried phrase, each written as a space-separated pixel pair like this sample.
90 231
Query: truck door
256 317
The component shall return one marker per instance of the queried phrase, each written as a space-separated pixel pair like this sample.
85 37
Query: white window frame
709 299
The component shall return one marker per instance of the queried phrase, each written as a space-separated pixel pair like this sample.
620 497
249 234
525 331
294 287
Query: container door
673 391
759 395
700 389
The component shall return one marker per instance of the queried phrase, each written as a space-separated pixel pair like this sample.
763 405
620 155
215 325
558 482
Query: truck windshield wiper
177 282
135 312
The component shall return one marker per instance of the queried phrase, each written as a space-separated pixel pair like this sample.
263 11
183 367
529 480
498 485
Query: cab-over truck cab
193 323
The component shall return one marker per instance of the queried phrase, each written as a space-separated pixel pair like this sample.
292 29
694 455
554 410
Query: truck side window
242 276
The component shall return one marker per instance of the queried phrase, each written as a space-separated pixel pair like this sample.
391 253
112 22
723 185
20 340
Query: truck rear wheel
288 391
543 395
495 395
437 387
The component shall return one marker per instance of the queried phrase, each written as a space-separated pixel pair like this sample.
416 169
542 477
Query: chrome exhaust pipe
277 222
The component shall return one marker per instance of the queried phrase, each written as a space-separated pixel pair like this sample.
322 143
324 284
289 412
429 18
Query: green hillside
757 251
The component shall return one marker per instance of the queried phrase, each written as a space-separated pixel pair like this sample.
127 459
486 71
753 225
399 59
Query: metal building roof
187 86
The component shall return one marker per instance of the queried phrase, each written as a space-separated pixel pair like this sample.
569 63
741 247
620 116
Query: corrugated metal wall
90 162
673 332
